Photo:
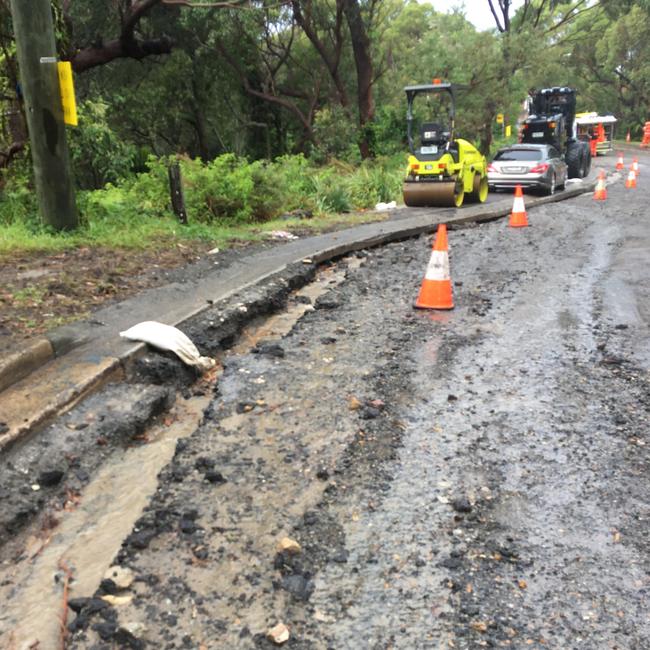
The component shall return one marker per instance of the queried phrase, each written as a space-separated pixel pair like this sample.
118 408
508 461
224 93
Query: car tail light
415 168
538 169
491 168
442 165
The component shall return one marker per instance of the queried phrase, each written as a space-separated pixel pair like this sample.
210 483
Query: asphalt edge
20 364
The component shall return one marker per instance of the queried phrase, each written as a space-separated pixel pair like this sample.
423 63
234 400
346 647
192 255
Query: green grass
163 232
29 295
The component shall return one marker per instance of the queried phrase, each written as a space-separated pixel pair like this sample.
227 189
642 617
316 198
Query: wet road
465 479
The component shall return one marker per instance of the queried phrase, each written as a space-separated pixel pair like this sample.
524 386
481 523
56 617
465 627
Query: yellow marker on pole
67 93
508 130
499 118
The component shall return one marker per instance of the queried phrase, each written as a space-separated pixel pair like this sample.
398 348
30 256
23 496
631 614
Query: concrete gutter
53 373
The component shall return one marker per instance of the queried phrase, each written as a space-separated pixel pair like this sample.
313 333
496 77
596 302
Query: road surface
464 479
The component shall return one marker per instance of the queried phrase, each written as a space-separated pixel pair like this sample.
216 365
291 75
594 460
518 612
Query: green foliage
336 135
226 192
99 155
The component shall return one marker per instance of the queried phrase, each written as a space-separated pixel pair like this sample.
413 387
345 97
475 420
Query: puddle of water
280 324
89 537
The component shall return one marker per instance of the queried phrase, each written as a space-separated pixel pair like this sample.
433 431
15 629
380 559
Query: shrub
99 155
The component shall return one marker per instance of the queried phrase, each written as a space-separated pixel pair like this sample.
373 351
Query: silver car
534 166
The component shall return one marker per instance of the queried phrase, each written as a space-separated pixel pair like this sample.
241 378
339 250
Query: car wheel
551 187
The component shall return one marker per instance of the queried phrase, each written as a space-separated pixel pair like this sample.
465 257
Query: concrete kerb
15 366
38 353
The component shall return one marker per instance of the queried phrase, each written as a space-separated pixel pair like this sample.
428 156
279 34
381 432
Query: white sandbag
166 337
384 207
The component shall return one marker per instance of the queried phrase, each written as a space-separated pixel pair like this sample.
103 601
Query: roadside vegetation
228 198
289 115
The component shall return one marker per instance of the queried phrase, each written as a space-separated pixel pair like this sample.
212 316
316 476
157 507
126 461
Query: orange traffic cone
630 183
635 166
601 191
518 216
435 292
619 162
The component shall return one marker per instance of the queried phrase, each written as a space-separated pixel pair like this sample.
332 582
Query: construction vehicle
553 121
442 169
597 130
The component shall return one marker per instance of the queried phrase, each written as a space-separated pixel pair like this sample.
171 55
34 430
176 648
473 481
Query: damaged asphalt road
466 479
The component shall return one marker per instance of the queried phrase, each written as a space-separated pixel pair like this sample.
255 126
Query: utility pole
36 49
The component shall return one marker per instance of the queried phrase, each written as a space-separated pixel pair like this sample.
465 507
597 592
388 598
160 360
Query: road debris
289 546
279 634
282 234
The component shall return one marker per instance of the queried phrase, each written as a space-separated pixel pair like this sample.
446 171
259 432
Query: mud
468 479
71 449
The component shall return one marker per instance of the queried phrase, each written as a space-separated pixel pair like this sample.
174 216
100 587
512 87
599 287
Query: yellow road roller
442 170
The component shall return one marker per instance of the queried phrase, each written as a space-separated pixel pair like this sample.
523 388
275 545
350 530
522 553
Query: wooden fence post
176 191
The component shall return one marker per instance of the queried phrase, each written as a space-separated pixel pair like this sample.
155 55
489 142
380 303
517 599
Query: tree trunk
365 73
199 122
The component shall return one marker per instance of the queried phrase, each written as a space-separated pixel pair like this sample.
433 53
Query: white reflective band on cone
518 205
438 268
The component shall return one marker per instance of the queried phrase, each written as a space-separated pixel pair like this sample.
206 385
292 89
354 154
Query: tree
365 72
135 39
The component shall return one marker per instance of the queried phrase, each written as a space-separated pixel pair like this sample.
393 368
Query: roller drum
433 194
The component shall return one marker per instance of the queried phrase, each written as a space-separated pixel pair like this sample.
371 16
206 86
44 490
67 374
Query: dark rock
107 586
470 610
125 639
369 413
453 563
105 630
244 407
77 604
82 475
200 553
328 340
452 398
327 302
50 477
215 477
269 349
322 474
203 463
298 586
140 540
310 518
4 427
187 526
461 504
